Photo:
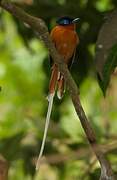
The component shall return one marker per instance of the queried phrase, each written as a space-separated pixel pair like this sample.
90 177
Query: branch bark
40 28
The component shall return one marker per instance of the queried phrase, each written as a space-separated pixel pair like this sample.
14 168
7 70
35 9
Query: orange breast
65 40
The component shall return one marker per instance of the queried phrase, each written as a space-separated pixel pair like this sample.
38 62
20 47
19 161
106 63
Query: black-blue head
67 20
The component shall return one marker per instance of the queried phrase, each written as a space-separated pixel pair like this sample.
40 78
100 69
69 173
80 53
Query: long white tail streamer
50 101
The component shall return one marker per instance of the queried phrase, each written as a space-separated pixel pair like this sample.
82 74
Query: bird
66 40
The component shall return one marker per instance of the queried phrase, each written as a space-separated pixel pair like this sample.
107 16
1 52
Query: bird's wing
72 59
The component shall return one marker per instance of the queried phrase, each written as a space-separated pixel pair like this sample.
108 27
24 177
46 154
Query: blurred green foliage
24 78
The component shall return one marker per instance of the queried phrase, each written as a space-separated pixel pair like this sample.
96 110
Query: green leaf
108 69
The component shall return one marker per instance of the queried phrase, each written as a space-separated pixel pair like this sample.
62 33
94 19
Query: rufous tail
56 78
53 79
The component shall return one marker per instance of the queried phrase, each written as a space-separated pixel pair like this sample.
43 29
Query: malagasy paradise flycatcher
65 39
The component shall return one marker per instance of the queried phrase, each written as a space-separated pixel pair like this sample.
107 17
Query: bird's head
65 21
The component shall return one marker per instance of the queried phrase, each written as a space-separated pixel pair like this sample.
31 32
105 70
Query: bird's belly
66 45
66 50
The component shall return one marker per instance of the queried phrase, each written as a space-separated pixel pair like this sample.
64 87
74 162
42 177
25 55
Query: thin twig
39 26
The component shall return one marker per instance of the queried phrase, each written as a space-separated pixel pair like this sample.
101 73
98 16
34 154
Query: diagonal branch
39 26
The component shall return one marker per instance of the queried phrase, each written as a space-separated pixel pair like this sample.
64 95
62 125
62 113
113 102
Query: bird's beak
75 20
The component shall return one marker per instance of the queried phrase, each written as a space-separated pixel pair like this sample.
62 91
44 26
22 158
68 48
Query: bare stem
39 26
